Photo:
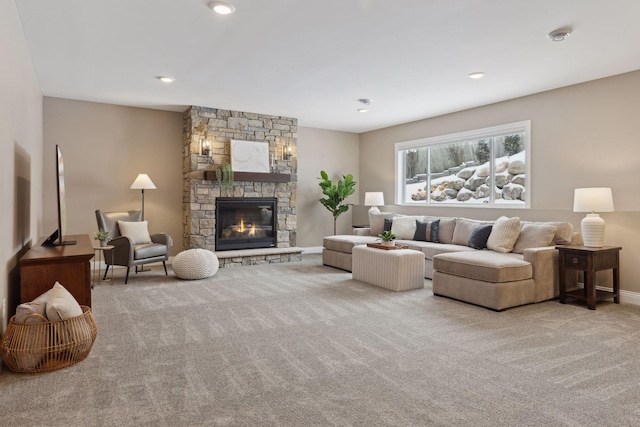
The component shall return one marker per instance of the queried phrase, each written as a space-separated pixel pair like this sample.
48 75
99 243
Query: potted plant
387 238
224 175
336 194
103 236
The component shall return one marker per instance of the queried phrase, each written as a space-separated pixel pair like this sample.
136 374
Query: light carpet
300 344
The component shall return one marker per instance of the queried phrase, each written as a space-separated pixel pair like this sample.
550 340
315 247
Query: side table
589 260
97 276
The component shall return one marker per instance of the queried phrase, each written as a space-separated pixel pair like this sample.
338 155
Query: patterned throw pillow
504 234
479 236
427 231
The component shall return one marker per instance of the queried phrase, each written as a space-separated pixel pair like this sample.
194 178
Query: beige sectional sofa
520 265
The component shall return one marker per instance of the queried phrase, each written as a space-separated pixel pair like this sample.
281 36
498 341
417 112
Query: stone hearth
199 193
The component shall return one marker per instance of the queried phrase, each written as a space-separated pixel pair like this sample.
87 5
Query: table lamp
373 199
593 200
143 182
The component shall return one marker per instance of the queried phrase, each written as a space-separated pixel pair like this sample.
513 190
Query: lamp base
373 209
592 227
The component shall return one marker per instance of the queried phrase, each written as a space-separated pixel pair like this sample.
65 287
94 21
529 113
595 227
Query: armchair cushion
149 250
138 231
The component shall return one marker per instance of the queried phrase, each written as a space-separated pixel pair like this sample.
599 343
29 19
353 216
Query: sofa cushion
346 243
376 221
534 236
563 234
504 234
404 227
479 236
427 231
486 266
432 249
463 230
446 229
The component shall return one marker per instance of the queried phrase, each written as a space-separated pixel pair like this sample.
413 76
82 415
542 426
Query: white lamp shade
374 198
592 200
143 182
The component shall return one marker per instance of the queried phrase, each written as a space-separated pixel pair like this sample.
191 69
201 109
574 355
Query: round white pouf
194 264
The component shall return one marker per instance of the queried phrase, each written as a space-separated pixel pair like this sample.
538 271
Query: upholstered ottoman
396 269
194 264
490 279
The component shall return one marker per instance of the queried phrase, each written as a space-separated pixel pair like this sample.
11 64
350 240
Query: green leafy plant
336 195
224 175
102 235
387 236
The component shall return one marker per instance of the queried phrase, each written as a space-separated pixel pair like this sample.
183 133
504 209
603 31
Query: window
483 168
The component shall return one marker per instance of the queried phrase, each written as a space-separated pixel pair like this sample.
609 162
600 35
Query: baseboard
626 297
312 250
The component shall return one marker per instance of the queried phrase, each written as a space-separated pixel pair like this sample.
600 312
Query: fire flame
242 225
252 232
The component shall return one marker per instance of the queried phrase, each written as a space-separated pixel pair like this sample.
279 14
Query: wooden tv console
42 266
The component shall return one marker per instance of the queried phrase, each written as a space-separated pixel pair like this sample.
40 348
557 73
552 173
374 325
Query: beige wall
105 147
336 153
582 136
20 152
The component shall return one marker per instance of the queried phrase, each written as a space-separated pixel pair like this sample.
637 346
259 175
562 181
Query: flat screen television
57 237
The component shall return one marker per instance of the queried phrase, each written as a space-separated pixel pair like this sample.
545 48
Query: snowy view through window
486 171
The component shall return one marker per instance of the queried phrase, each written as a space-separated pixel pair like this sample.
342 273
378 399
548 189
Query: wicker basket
47 346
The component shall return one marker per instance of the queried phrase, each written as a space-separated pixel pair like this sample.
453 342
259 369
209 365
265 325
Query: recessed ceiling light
222 7
476 75
559 35
362 110
166 79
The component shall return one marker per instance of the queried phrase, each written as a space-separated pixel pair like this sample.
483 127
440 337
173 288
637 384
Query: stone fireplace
213 129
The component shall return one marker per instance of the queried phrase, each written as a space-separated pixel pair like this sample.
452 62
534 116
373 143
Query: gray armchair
126 253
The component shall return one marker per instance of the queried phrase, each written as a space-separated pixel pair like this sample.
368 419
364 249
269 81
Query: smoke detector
559 35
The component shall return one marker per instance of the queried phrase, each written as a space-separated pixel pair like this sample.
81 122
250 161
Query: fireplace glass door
245 223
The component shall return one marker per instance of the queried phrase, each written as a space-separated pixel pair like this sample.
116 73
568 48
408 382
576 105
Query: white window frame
484 133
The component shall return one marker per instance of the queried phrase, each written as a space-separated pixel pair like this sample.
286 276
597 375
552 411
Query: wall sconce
205 147
286 151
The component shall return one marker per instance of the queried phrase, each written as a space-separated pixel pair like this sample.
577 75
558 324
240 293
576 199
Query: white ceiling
314 59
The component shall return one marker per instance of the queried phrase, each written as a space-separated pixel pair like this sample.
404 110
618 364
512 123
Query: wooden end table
589 260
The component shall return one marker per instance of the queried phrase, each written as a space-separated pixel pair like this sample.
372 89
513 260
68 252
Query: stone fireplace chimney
207 136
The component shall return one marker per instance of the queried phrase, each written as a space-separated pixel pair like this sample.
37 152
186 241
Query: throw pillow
479 236
388 223
37 306
504 234
405 226
137 231
427 231
62 305
463 230
376 222
534 236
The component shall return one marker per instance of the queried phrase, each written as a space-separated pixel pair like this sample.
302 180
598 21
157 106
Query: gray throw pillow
479 236
427 231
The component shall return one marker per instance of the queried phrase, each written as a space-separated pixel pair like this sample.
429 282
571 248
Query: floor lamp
143 182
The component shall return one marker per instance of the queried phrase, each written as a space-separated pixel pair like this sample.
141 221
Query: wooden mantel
252 176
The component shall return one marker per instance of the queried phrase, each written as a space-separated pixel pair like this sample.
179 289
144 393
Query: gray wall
20 153
337 154
105 147
582 136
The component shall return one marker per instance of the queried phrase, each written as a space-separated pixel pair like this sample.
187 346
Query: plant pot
104 243
388 243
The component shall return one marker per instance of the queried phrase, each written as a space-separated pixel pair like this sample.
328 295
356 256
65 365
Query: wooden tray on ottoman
386 248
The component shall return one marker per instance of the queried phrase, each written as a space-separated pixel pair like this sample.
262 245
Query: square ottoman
395 269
